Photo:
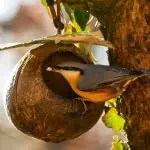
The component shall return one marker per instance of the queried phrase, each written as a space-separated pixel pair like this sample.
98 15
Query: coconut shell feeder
41 104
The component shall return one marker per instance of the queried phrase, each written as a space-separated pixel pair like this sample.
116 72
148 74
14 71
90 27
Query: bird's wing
98 76
94 77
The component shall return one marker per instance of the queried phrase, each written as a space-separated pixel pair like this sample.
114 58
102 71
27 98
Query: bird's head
70 71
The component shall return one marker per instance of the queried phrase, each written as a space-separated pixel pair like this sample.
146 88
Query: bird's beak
63 71
69 75
50 69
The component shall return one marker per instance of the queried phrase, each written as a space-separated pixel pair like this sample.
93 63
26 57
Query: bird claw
84 105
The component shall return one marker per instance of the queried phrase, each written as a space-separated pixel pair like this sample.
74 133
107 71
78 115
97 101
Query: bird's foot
84 105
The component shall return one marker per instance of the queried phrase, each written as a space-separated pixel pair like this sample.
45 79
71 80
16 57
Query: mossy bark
126 23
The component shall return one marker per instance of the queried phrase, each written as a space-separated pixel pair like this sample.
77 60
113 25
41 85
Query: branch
90 38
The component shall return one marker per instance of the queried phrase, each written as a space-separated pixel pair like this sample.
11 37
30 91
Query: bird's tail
139 72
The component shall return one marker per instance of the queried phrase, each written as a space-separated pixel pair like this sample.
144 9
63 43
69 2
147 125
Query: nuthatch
97 83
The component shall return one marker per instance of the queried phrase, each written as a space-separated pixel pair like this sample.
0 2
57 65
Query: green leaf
44 3
81 17
76 25
112 120
117 146
112 103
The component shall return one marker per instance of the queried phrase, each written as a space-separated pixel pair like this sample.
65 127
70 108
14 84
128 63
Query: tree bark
126 23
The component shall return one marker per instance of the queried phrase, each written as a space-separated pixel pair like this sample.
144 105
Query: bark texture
126 23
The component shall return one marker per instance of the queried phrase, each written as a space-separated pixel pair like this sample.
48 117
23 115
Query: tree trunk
126 23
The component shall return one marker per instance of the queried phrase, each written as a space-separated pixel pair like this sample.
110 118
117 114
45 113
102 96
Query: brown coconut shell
42 104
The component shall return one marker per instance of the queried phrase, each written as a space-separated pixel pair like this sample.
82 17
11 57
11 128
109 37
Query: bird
97 83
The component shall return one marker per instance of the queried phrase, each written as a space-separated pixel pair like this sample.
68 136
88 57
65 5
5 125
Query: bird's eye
81 72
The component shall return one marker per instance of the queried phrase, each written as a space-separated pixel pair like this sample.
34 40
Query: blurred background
24 20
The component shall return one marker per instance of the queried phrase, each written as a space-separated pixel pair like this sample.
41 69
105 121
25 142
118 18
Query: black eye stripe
81 72
67 68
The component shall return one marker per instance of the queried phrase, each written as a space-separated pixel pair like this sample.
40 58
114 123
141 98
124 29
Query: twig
82 37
